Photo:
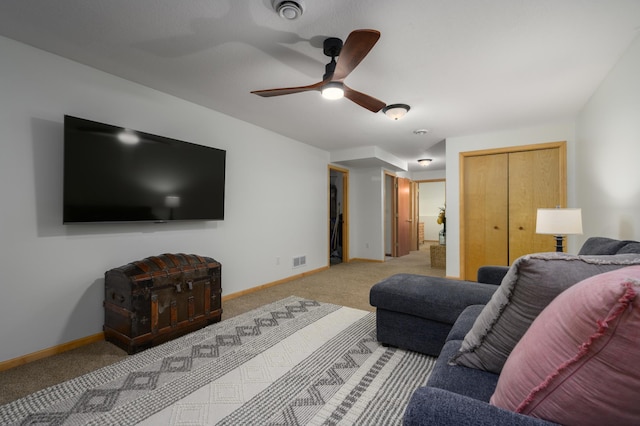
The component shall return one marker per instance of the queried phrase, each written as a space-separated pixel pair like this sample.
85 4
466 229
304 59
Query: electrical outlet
278 260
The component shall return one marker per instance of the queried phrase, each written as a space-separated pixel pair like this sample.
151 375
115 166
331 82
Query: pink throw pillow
579 362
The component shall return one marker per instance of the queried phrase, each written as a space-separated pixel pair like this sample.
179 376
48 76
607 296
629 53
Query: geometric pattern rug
291 362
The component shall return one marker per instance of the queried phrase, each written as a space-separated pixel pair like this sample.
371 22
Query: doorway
338 214
398 216
431 201
389 215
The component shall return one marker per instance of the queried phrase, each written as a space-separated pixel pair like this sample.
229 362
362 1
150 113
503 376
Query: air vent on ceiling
288 9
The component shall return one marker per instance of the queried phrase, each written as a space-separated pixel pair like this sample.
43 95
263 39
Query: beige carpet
344 284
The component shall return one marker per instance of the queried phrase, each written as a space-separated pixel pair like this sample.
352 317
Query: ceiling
463 66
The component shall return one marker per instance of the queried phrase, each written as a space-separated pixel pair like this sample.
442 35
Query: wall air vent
299 261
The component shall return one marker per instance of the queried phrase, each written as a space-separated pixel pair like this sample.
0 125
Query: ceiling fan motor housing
331 47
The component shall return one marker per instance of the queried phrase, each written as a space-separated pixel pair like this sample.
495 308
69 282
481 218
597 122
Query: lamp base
559 247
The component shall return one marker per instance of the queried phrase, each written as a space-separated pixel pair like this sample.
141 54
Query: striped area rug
294 362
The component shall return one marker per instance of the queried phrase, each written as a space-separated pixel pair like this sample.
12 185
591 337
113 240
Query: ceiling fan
350 54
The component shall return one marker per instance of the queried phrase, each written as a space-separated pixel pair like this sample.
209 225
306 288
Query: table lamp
559 222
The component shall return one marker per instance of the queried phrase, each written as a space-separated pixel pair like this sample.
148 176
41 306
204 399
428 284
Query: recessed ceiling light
421 131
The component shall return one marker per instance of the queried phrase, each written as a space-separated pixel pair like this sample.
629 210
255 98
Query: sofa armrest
492 274
433 406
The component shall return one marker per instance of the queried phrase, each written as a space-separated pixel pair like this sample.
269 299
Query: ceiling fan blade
288 90
365 101
354 50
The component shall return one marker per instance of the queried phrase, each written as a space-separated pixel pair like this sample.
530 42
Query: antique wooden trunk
159 298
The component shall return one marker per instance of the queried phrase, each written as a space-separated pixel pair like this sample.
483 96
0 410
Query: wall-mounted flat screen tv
114 174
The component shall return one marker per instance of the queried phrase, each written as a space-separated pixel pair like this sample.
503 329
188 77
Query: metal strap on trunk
159 262
142 265
154 314
175 259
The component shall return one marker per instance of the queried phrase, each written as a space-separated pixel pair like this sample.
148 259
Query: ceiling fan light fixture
396 111
288 9
424 162
333 90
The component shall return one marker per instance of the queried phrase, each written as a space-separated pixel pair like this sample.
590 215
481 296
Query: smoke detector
288 9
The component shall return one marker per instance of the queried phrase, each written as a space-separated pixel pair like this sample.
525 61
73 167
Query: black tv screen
113 174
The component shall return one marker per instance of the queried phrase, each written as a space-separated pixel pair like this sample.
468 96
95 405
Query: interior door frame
345 211
390 220
400 200
415 219
561 145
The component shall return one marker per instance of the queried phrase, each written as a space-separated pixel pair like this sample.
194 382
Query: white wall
540 134
608 153
428 175
52 275
432 198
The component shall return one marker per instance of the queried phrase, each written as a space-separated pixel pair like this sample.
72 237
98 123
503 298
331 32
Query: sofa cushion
433 406
601 246
464 322
532 282
630 247
411 332
434 298
578 363
476 384
608 246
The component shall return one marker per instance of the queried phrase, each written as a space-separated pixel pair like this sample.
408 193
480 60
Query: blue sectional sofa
432 316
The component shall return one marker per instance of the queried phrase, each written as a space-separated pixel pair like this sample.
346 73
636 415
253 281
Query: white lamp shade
559 221
172 201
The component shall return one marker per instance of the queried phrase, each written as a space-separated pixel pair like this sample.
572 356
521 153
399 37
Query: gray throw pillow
532 282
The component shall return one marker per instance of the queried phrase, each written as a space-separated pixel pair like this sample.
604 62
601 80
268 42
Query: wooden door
501 191
534 182
485 209
403 216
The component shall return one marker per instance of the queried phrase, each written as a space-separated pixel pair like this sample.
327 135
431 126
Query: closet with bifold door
501 190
